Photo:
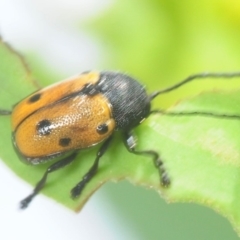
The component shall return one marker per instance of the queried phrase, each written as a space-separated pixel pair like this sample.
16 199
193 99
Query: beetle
83 111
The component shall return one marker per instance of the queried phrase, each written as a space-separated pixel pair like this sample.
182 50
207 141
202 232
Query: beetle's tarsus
77 190
25 202
165 180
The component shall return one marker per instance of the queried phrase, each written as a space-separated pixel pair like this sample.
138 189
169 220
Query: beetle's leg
57 165
130 143
76 191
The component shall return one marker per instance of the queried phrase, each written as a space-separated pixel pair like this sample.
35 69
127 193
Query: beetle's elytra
77 113
81 112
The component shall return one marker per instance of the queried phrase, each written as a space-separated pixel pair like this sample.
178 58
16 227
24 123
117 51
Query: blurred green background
161 42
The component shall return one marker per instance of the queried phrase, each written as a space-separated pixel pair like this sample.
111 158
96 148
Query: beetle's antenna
5 112
196 113
193 77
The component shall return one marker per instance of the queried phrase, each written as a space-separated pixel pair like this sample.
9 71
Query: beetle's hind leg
57 165
76 191
130 144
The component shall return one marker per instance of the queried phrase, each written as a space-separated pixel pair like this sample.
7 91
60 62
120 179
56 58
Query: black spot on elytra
44 127
103 128
34 98
64 142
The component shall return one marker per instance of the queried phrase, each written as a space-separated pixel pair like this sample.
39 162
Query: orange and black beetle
81 112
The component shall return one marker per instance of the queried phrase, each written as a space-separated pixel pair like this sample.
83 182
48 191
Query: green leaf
201 154
16 78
